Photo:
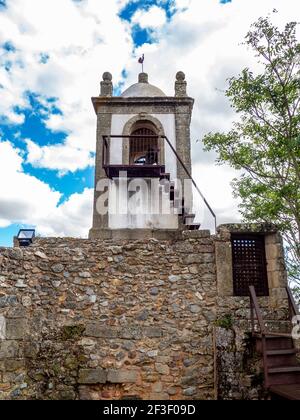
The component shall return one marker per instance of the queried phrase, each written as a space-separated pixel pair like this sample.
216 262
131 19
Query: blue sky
49 71
141 35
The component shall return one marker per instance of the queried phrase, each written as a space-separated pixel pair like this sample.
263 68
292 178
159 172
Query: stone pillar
180 85
224 267
183 115
277 275
106 85
143 78
100 222
183 148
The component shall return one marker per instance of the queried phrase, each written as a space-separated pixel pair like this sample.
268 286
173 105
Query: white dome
142 89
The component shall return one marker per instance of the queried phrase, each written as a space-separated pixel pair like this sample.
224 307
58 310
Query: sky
52 57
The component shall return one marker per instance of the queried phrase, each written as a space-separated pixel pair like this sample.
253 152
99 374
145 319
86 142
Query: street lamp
25 237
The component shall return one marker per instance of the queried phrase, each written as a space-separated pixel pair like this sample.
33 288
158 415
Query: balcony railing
138 156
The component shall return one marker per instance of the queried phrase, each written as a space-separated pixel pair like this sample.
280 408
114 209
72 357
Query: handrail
254 306
105 145
193 181
294 311
133 136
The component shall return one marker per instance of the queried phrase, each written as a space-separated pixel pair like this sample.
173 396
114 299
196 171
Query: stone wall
141 318
82 319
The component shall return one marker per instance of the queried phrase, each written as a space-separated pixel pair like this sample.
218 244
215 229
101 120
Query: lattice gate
249 264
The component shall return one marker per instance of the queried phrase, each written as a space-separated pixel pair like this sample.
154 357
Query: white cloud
27 200
87 38
82 40
154 17
182 4
214 182
22 196
63 157
73 218
205 42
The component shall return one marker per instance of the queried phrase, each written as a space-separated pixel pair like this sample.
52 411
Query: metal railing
254 308
257 314
193 181
293 308
149 145
144 142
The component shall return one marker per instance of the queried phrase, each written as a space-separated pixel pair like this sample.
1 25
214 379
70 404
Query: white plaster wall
168 123
146 219
117 127
154 211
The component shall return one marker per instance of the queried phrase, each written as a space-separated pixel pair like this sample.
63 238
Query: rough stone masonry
120 319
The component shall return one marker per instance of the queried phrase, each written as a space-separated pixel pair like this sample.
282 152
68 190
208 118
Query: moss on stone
225 322
56 368
71 363
249 228
72 332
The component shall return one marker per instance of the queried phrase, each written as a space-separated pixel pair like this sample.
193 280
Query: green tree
264 142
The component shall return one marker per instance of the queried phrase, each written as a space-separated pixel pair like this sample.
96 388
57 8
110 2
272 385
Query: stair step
165 176
189 216
284 357
285 352
194 226
287 392
284 369
275 342
271 336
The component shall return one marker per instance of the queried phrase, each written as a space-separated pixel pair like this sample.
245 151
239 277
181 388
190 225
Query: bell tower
143 161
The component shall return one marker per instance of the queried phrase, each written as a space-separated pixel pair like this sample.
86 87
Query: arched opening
144 149
145 129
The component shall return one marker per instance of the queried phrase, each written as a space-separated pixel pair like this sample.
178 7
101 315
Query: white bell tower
143 159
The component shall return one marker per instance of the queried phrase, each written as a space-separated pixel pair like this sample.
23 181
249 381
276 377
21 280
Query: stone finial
180 85
106 85
107 77
180 76
143 78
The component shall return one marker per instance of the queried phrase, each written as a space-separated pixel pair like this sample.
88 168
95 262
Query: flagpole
141 61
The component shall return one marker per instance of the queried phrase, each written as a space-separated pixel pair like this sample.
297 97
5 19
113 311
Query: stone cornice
156 101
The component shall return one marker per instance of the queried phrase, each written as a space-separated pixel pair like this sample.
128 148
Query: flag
142 59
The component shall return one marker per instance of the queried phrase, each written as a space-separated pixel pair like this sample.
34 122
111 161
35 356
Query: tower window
249 264
144 150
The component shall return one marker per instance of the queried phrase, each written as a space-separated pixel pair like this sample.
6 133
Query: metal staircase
186 218
281 366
